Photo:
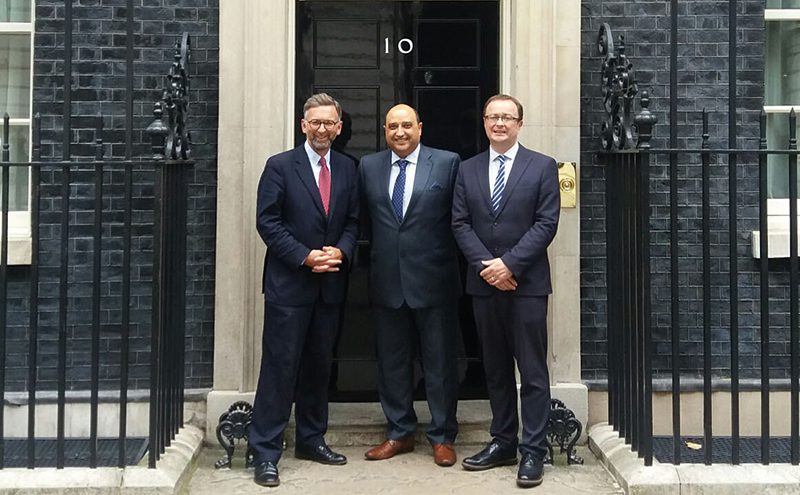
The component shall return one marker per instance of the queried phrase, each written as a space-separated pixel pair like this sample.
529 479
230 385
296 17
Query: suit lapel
483 179
421 176
384 172
303 169
521 162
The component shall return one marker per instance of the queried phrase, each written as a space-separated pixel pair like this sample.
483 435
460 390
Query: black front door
441 57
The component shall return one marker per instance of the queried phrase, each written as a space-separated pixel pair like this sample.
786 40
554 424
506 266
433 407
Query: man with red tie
505 213
307 215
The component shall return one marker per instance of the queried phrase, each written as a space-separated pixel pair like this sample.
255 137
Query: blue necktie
399 189
499 183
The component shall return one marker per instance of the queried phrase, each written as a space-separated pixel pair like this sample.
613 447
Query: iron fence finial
619 90
645 120
157 132
6 131
172 140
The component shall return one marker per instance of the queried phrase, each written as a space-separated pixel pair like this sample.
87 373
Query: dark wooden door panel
441 57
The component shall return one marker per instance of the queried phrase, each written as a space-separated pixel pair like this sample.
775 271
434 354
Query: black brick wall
702 84
98 87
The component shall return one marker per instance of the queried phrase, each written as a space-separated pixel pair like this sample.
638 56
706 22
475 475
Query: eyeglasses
494 118
315 123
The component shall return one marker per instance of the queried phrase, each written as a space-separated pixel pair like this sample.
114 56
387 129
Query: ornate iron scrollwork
233 425
173 139
619 89
564 429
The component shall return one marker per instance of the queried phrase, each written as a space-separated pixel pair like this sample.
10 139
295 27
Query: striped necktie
499 183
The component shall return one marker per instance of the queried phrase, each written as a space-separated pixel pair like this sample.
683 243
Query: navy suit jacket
414 260
522 228
292 222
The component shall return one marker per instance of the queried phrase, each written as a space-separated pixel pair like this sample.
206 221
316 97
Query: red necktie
324 184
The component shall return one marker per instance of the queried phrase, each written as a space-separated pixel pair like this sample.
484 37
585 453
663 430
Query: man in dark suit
505 214
308 218
407 194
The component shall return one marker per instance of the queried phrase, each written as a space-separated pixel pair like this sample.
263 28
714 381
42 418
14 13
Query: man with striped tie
307 215
407 194
505 214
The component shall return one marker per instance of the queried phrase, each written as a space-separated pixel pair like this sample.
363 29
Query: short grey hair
322 100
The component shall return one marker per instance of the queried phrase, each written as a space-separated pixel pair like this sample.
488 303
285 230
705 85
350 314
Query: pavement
412 473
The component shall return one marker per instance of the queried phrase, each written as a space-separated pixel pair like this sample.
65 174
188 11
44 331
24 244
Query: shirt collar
313 156
412 157
510 154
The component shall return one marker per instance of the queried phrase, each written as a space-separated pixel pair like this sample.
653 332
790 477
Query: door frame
539 60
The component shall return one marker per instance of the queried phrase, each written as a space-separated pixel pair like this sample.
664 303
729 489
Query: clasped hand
498 275
324 260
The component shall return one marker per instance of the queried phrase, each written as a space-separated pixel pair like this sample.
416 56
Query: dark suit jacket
414 261
291 221
522 229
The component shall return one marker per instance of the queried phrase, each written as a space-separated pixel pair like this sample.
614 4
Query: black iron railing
629 159
109 186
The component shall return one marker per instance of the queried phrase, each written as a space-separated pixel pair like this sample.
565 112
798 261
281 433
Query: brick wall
702 84
98 87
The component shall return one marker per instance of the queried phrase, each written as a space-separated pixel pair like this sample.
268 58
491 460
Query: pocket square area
435 187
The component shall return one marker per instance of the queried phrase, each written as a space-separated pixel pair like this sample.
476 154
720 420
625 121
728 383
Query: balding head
402 129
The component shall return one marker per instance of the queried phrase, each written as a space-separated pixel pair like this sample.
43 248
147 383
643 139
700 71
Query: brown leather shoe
390 448
444 454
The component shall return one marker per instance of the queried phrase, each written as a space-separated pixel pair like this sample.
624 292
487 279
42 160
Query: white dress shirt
313 159
494 165
411 170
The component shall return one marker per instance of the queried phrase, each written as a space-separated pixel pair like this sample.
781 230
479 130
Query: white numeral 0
404 46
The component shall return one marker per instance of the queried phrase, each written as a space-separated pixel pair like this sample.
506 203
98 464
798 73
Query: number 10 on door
404 46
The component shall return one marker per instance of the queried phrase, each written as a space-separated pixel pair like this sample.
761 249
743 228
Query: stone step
363 424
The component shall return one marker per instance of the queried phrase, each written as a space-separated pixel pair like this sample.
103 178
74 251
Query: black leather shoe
530 471
493 455
266 474
321 454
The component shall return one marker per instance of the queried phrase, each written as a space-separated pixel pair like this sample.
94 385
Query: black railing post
733 228
96 267
169 257
156 337
674 235
645 120
126 312
706 227
33 335
63 272
763 226
126 241
5 157
794 338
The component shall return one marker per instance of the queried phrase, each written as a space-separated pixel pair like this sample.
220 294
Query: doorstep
363 424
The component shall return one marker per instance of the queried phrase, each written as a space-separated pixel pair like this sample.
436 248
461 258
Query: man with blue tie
407 194
307 215
505 214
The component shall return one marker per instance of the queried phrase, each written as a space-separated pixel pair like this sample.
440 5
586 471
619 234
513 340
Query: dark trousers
297 352
396 334
510 328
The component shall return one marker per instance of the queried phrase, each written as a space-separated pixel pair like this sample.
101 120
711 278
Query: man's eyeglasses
315 123
494 118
